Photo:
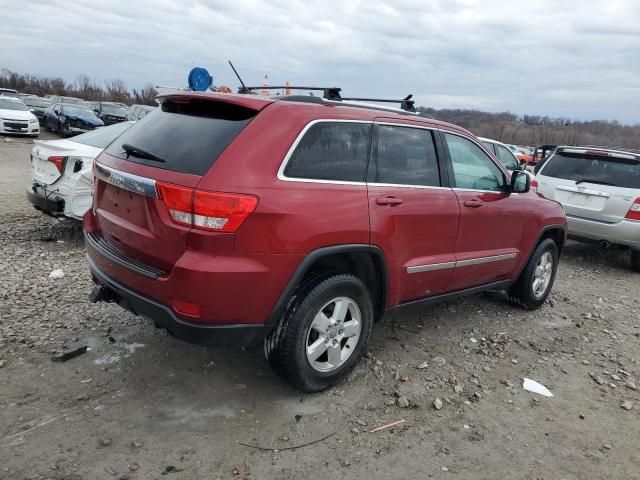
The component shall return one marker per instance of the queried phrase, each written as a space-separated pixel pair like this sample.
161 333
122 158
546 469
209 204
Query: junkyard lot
148 401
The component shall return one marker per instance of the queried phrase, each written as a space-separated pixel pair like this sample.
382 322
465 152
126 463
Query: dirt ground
141 405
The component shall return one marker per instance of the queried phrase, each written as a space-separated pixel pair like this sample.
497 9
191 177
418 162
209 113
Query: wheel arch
367 262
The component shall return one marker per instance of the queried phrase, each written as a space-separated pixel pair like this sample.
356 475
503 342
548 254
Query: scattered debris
437 404
423 365
105 442
631 384
63 357
535 387
388 425
627 405
404 378
298 417
403 402
170 469
295 447
56 274
473 340
2 363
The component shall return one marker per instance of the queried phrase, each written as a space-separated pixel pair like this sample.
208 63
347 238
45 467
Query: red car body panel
237 278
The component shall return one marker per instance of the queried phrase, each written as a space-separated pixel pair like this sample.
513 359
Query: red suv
298 222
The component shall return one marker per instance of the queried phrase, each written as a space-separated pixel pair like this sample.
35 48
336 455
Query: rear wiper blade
593 180
141 153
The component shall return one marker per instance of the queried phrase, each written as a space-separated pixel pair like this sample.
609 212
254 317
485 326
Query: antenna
244 88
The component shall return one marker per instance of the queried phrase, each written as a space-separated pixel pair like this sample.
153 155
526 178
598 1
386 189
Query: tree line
506 127
113 90
536 130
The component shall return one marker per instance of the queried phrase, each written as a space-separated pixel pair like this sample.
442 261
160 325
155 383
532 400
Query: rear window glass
592 169
405 156
331 151
103 136
183 137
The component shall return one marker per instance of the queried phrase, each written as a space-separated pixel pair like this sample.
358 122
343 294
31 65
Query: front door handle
474 203
389 201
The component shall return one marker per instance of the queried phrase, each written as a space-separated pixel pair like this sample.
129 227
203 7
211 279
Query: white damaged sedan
62 171
16 118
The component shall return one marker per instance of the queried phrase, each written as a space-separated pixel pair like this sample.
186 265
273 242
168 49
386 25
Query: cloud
554 57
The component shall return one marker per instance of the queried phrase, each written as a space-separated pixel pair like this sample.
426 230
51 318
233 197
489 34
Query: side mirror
520 182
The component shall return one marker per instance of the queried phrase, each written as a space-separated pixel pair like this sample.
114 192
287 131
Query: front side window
472 167
335 151
404 156
507 158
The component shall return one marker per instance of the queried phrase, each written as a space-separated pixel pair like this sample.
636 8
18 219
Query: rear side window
183 137
583 168
404 156
335 151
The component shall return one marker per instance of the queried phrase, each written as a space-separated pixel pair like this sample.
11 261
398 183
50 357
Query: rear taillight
634 211
59 162
217 212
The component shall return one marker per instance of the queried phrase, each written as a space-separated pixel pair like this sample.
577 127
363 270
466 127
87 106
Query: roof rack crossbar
405 103
330 93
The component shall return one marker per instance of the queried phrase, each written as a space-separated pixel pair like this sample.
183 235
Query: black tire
61 130
285 347
635 260
522 292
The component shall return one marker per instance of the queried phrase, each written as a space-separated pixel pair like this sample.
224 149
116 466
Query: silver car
600 191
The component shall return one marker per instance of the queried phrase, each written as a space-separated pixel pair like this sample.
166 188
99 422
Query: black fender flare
315 255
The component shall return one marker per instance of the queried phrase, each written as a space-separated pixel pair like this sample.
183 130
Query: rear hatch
593 184
49 159
147 176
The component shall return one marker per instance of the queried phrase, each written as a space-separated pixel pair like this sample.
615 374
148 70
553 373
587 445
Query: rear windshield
103 136
583 168
182 137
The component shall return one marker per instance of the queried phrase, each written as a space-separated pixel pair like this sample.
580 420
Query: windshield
75 101
36 102
103 136
584 168
114 109
7 104
77 111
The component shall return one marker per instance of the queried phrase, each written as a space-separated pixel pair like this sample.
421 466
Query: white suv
600 191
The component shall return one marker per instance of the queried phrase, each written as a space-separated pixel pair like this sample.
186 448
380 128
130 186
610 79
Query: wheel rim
333 334
542 274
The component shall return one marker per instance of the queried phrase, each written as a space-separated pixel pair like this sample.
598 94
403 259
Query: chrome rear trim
126 181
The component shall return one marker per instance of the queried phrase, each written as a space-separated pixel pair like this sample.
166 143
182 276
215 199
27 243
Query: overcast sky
570 58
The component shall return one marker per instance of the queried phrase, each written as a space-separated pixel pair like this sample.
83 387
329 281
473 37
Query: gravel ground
141 405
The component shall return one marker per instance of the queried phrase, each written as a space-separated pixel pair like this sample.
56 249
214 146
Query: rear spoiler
599 153
252 102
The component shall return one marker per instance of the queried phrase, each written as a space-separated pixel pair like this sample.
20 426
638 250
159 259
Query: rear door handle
389 201
474 203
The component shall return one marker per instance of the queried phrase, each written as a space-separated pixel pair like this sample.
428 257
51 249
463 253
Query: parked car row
63 115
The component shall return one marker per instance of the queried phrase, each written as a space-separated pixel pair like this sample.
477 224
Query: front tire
323 334
536 280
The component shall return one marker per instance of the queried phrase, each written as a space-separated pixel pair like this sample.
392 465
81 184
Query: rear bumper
51 204
221 335
625 232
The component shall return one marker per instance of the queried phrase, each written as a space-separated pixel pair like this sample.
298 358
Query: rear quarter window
188 137
336 151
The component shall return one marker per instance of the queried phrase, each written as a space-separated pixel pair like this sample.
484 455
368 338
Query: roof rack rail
620 149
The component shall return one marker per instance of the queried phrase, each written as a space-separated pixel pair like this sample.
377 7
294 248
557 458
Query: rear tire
323 334
635 260
536 280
